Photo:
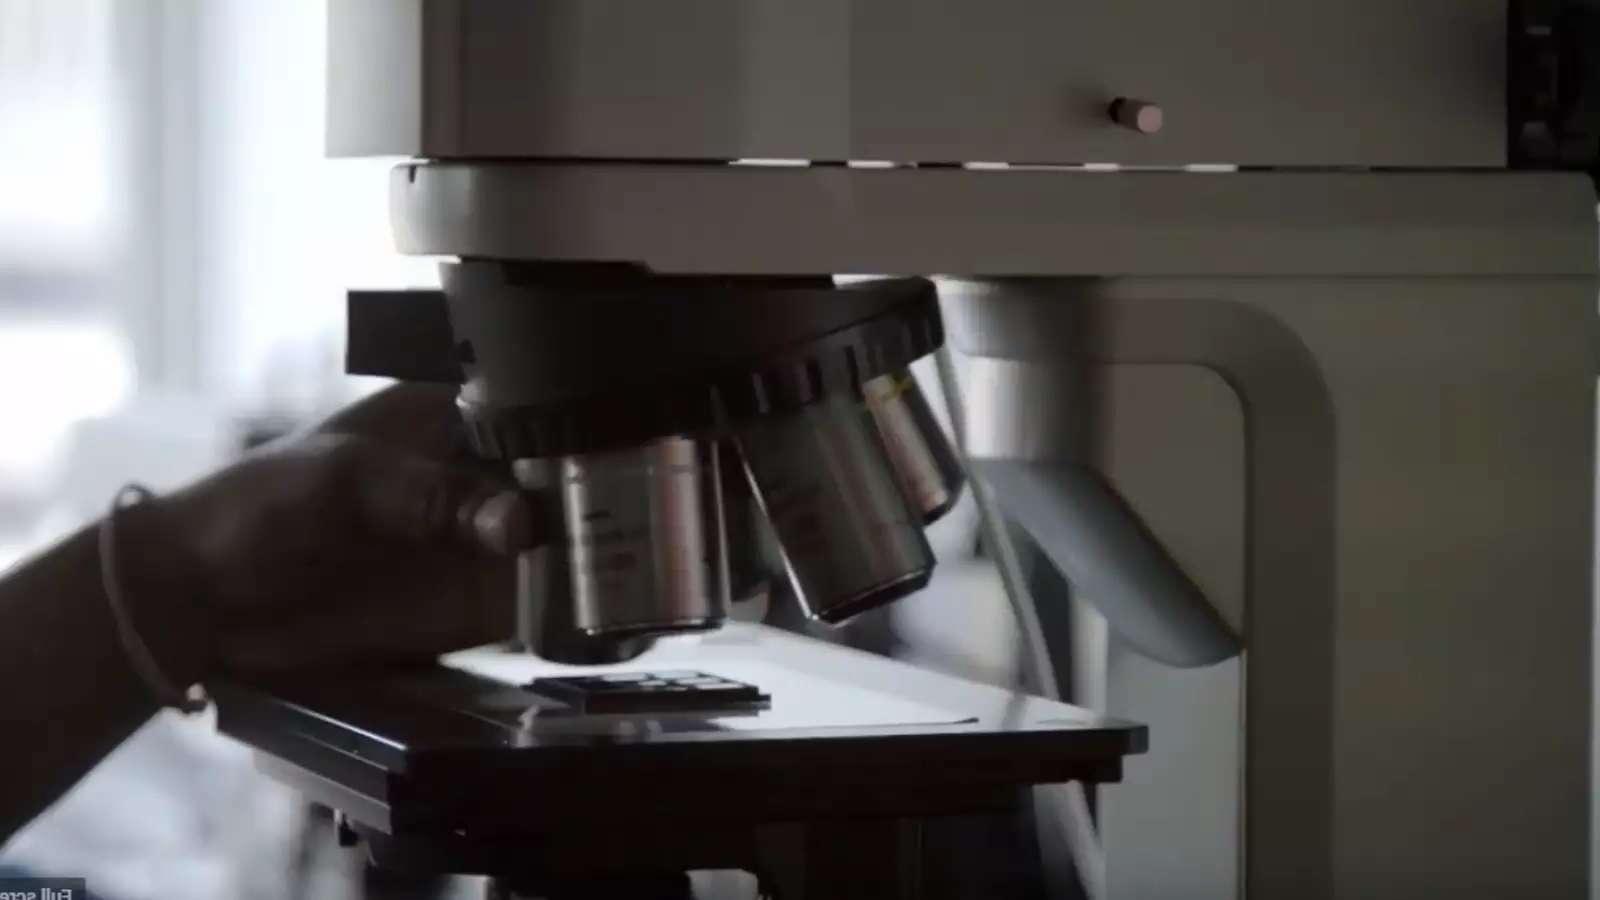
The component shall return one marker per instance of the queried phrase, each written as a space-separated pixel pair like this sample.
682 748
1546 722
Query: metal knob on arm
1139 115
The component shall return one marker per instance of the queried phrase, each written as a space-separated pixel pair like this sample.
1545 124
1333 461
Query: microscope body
1269 340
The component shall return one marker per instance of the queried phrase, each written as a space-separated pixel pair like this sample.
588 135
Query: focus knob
1139 115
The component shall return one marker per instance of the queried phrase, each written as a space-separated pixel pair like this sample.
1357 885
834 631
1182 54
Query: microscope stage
468 749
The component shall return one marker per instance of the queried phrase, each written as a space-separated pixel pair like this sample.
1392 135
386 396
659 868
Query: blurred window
63 356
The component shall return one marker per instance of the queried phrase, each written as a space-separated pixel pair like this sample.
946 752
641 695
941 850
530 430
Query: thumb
422 501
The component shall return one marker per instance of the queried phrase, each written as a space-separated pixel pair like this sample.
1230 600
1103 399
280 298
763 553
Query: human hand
368 540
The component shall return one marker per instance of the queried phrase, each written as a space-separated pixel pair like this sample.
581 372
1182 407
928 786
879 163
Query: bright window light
55 375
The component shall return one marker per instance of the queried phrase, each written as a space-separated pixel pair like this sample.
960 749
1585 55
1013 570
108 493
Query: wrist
165 591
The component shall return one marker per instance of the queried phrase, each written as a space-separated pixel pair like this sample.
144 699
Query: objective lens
848 538
645 544
924 462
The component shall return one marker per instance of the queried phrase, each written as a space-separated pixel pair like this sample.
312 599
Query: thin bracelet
139 655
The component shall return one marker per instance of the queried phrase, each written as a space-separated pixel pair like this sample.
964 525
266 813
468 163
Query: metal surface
848 537
1291 83
644 541
544 616
925 465
757 220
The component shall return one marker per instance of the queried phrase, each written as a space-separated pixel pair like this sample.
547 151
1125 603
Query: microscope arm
1088 532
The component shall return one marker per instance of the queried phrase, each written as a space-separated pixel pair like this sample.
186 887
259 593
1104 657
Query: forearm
312 553
70 693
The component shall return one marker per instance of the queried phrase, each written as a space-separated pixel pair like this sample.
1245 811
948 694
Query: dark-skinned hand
373 538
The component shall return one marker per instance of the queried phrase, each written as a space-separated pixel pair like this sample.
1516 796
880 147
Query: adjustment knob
1139 115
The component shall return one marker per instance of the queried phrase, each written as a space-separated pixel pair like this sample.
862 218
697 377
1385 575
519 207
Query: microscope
1264 339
